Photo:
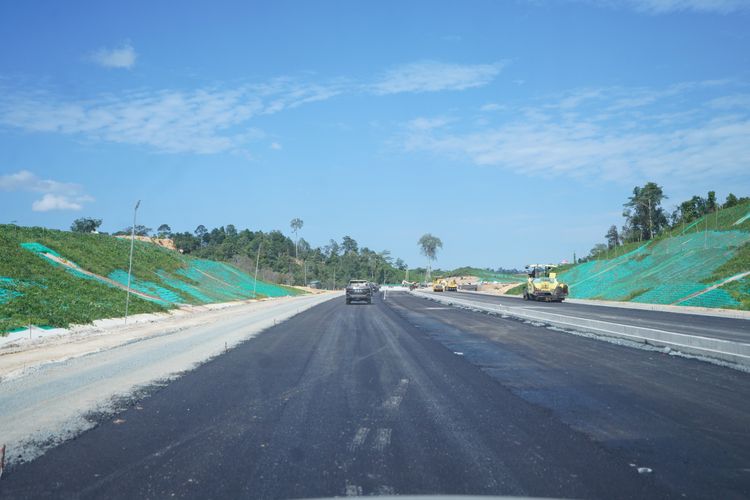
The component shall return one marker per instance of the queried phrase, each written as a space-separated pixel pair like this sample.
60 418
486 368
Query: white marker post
130 266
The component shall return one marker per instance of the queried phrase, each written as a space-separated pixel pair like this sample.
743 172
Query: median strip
725 350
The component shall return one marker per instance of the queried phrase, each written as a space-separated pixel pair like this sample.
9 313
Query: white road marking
382 439
359 438
394 401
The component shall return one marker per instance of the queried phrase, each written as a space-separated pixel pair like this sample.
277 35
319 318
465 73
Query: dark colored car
358 290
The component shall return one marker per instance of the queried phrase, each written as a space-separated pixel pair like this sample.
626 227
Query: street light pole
257 261
130 265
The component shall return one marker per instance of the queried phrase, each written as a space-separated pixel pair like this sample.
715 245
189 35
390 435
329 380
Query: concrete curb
724 350
700 311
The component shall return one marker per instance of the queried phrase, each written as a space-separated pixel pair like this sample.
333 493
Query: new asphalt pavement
406 396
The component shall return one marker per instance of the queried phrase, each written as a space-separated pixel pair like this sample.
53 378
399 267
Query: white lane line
394 400
382 439
359 438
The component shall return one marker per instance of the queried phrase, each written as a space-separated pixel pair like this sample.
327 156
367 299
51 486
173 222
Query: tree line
281 259
645 218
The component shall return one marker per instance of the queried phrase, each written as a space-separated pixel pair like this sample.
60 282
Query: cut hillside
56 278
705 264
486 275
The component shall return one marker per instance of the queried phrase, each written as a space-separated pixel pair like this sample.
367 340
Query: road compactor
542 284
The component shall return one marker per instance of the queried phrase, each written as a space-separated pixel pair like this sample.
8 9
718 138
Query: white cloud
422 124
492 106
203 121
669 6
664 6
432 76
54 202
123 56
276 146
209 120
57 195
596 134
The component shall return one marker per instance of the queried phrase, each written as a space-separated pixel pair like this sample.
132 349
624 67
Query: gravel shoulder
49 387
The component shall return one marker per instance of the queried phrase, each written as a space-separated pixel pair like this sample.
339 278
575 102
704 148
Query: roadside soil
23 354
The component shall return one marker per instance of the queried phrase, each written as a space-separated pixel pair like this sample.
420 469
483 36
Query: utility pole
705 234
257 261
130 266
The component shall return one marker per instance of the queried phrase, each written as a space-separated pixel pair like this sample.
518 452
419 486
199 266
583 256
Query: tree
711 202
429 246
643 210
201 232
331 249
164 231
186 242
296 225
613 237
85 225
139 230
731 201
349 245
599 248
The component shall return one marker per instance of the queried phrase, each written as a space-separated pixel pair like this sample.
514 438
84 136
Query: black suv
358 290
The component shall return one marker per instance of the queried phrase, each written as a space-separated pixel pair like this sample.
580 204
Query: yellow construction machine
438 285
451 285
542 284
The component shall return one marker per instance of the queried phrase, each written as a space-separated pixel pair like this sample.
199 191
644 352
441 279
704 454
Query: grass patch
740 291
44 294
50 296
516 290
635 293
739 263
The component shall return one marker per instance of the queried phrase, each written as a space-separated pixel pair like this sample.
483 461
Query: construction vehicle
451 285
438 285
410 284
542 284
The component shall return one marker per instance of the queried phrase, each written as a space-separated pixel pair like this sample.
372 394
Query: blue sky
489 124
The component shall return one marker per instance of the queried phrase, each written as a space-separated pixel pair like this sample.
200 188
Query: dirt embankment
162 242
492 288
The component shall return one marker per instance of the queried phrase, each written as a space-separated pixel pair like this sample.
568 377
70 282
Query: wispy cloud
56 195
605 134
432 76
202 121
663 6
123 56
669 6
492 106
210 120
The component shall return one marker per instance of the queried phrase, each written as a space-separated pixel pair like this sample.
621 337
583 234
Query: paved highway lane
407 397
734 329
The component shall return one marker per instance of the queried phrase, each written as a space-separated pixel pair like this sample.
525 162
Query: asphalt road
408 397
734 329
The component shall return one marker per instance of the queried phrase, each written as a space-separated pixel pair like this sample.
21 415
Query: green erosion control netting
203 282
71 267
225 282
5 294
666 272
